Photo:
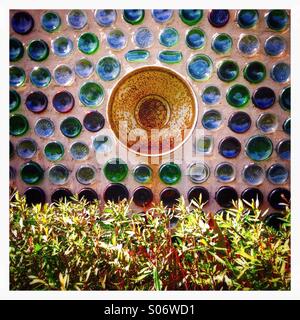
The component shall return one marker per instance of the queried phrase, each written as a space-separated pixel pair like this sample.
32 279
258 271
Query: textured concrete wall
261 31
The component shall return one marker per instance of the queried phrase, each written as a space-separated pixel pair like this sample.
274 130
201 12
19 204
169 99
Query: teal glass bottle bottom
137 55
135 16
44 128
285 99
31 172
191 16
170 56
105 18
18 125
16 50
200 67
259 148
116 39
267 122
248 44
212 119
238 96
143 38
108 68
40 77
204 145
62 46
253 174
198 172
283 149
142 173
115 192
77 19
38 50
222 43
195 38
247 18
88 43
255 72
169 37
225 172
91 94
63 75
170 173
86 174
211 95
70 127
93 121
58 174
103 144
54 151
79 150
84 68
26 148
17 76
115 170
228 70
14 100
277 174
50 21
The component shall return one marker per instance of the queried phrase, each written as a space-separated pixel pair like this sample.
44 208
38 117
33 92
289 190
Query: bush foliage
79 246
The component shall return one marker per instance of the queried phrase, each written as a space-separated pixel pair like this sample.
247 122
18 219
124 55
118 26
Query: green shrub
78 246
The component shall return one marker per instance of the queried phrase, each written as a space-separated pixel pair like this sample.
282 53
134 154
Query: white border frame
294 293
